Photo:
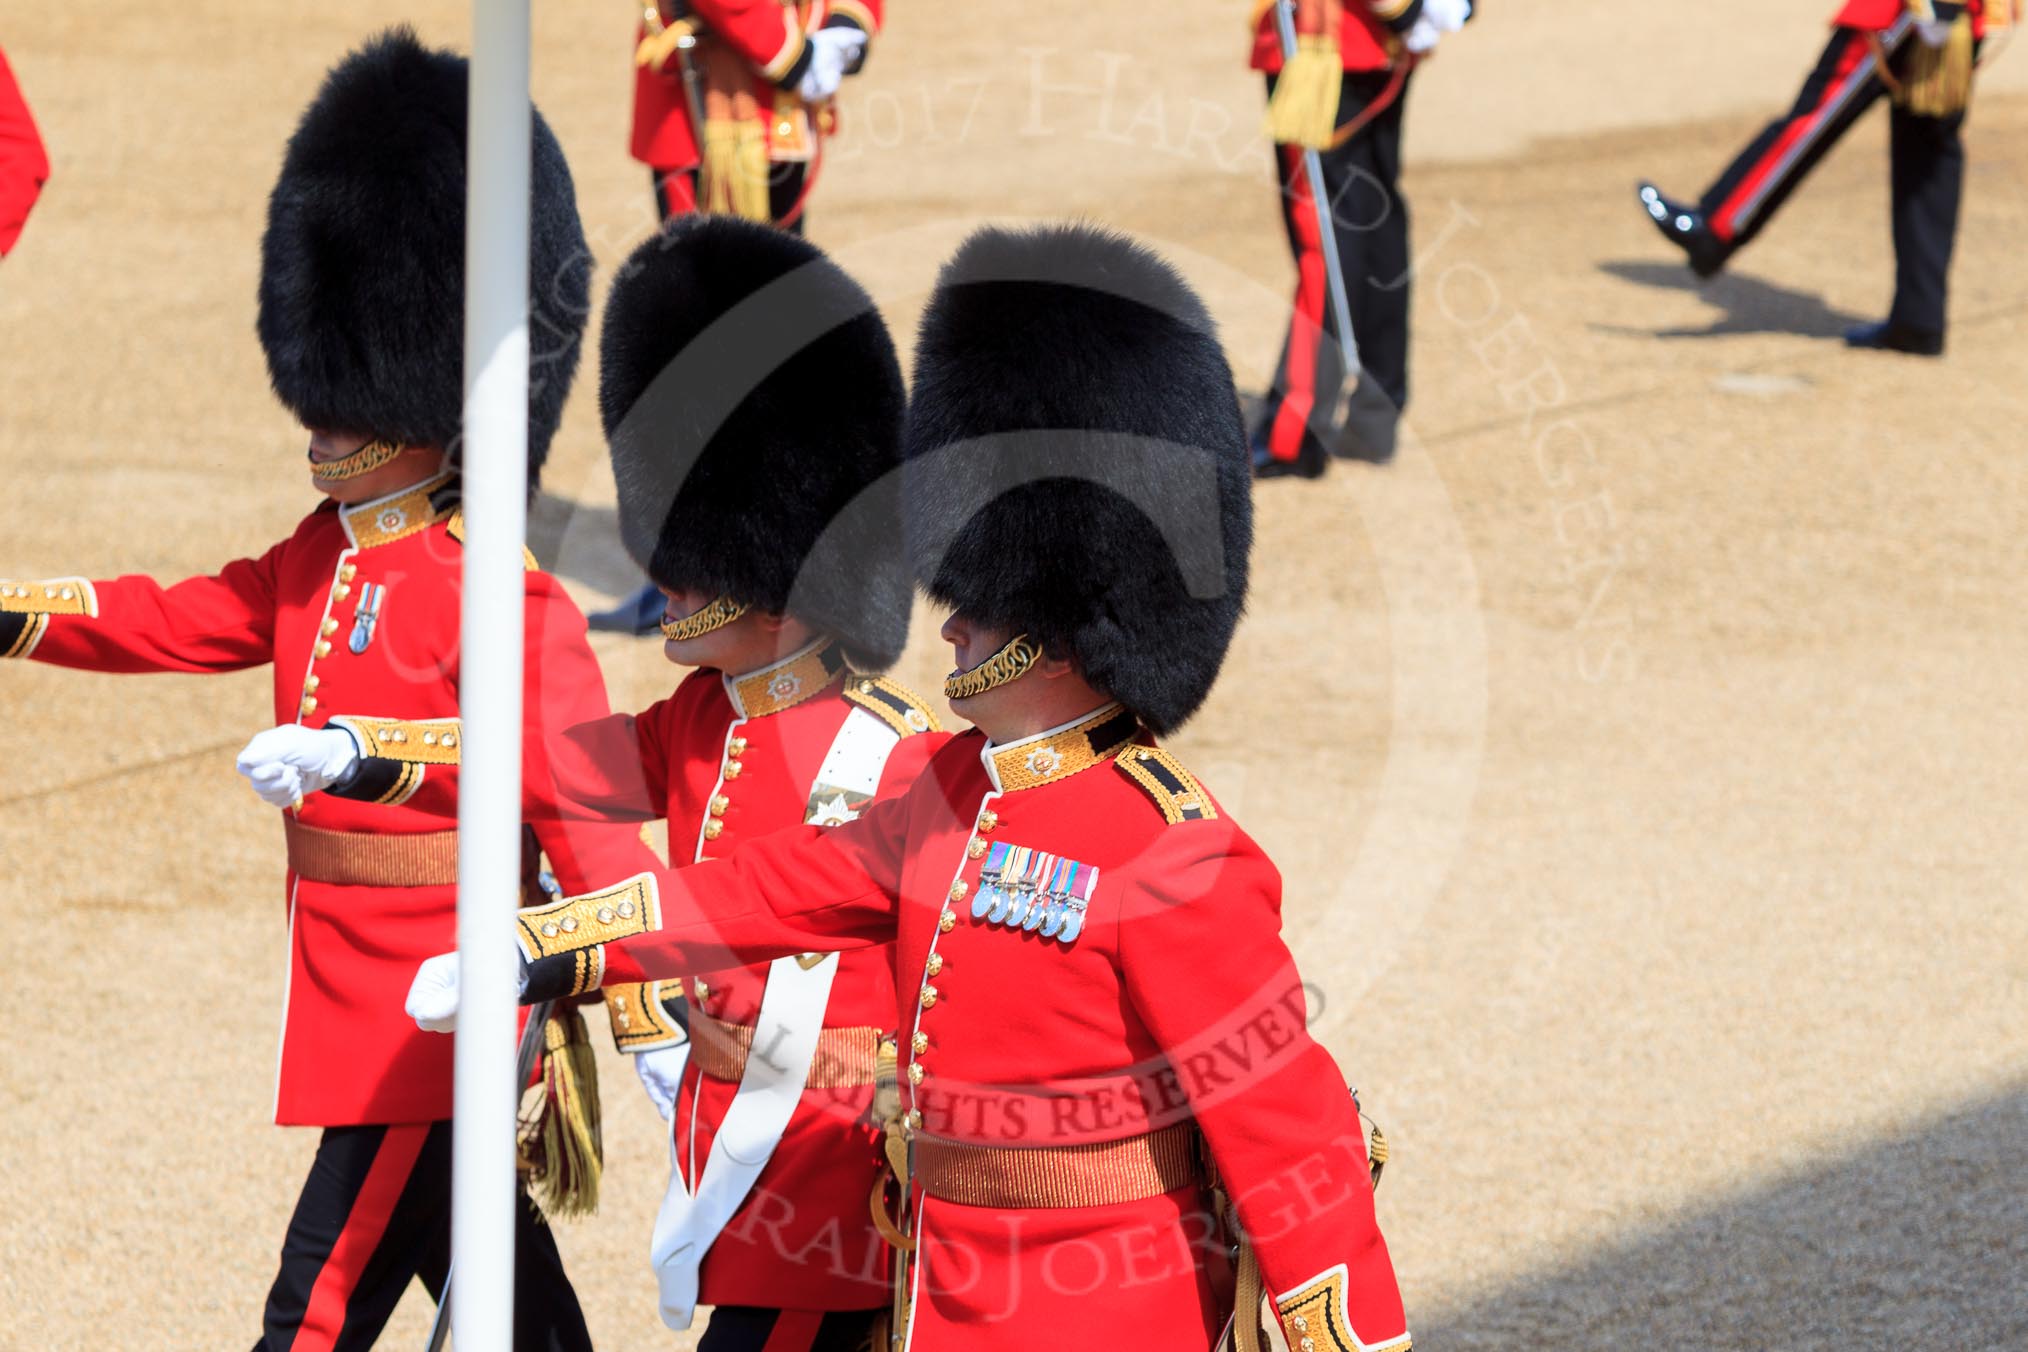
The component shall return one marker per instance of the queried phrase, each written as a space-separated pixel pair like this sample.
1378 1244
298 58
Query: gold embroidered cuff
57 596
20 633
431 741
776 71
1314 1317
577 923
641 1021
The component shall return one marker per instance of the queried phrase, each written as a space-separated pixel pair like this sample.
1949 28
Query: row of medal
1027 889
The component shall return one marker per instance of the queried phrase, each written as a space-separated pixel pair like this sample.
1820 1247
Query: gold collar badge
788 682
1062 752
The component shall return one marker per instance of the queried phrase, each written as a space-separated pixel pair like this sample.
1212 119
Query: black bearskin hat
1077 468
362 298
753 407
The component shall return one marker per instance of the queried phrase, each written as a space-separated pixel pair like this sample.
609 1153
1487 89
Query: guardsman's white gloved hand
1450 15
833 52
661 1072
433 995
292 761
1438 17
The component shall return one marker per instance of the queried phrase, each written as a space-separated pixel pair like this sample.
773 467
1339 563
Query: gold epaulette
580 925
641 1022
456 529
1314 1315
1163 778
424 741
896 705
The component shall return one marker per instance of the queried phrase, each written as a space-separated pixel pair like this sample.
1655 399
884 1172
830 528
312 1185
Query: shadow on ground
1917 1241
1751 305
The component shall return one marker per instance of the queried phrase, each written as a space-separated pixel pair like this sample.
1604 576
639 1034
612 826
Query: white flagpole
483 1185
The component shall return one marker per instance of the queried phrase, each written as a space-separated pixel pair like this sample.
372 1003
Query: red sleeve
579 759
134 624
24 166
1204 964
907 761
581 763
804 889
563 695
765 32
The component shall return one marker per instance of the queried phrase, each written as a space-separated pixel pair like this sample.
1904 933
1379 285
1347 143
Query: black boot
1889 336
1684 226
1309 463
640 613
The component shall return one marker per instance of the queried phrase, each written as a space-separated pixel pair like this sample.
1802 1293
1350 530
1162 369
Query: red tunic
1366 31
1177 1002
349 1054
803 1239
24 166
769 35
1878 16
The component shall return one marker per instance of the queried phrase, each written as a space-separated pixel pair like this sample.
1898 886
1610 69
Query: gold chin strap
712 615
1010 663
365 460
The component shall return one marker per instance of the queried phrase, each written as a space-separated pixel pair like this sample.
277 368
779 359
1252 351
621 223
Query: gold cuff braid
640 1023
418 741
1315 1317
578 923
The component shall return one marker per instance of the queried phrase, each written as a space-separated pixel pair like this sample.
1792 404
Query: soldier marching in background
1341 95
361 298
774 538
1920 53
1104 1032
758 76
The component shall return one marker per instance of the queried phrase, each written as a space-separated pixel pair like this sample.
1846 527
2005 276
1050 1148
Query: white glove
1449 15
292 761
832 52
1421 38
661 1072
433 995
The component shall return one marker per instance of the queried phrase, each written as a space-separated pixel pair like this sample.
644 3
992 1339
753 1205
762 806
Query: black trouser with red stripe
744 1328
1370 222
676 192
1928 159
376 1212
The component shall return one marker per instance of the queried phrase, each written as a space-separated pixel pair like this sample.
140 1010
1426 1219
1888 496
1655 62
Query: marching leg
1295 416
1363 179
547 1316
1928 178
675 192
354 1240
785 194
1744 198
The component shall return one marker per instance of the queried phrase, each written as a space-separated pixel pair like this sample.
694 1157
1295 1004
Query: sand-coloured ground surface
1643 751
